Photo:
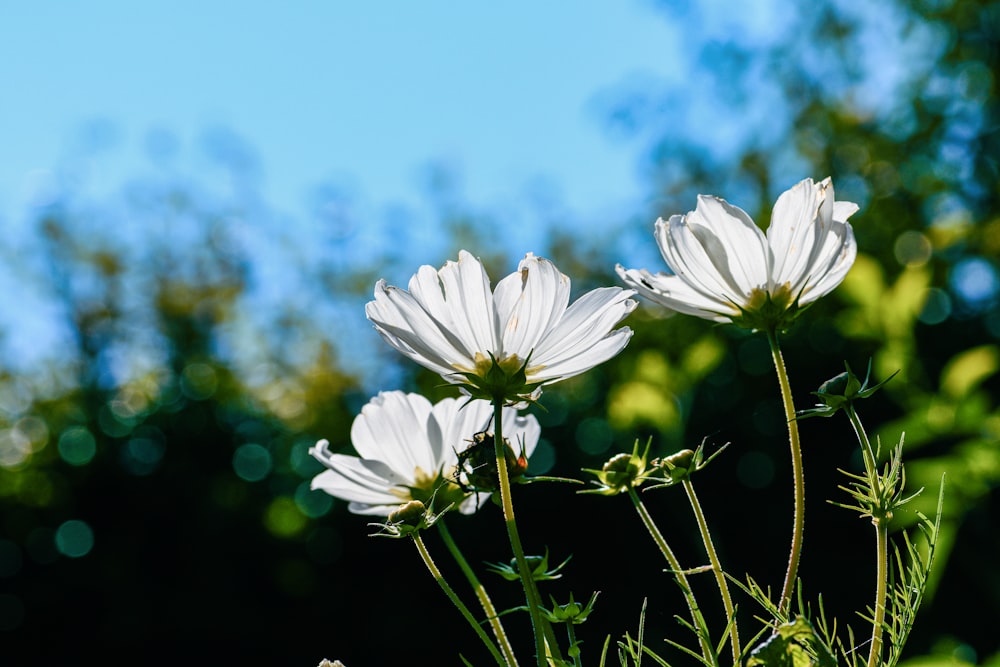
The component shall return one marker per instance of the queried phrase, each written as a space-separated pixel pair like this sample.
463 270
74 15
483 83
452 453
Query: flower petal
717 249
671 291
392 428
529 302
361 481
404 324
813 249
459 298
459 420
587 324
794 234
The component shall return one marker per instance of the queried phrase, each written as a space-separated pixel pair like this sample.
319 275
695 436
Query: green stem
675 567
574 649
484 598
720 577
881 523
542 631
798 479
882 576
455 599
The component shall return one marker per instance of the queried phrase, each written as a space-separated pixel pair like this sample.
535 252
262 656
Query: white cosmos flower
408 451
503 343
725 269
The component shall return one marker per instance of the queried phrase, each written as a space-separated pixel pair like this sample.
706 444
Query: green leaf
795 644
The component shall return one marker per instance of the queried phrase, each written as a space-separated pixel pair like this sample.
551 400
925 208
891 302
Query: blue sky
367 93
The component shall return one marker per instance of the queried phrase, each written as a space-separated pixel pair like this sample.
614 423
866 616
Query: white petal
392 428
361 481
461 301
840 262
585 324
405 325
521 429
584 360
460 419
529 303
671 291
842 210
718 249
816 247
794 234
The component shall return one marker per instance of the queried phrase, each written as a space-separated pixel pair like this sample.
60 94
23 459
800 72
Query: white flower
725 269
507 342
409 451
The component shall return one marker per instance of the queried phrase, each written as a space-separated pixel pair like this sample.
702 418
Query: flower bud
621 472
408 514
477 464
679 465
841 391
572 612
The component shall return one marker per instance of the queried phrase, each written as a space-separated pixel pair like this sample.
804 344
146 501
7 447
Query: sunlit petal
392 429
358 480
584 326
723 268
409 449
542 296
496 346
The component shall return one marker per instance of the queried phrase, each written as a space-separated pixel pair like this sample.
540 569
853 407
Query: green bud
406 519
477 464
841 391
680 465
572 612
621 472
408 514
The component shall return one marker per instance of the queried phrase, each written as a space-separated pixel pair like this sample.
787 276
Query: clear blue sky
367 92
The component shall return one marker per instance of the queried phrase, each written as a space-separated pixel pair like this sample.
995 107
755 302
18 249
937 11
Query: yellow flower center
509 365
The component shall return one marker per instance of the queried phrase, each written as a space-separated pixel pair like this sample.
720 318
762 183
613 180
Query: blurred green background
154 476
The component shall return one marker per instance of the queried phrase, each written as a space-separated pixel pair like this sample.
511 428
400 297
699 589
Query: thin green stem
798 478
720 577
542 631
881 586
675 567
484 598
455 599
881 522
574 649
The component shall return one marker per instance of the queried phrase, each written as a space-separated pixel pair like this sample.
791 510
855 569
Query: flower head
726 270
408 451
506 343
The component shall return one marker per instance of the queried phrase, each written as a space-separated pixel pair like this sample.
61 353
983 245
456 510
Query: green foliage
795 644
